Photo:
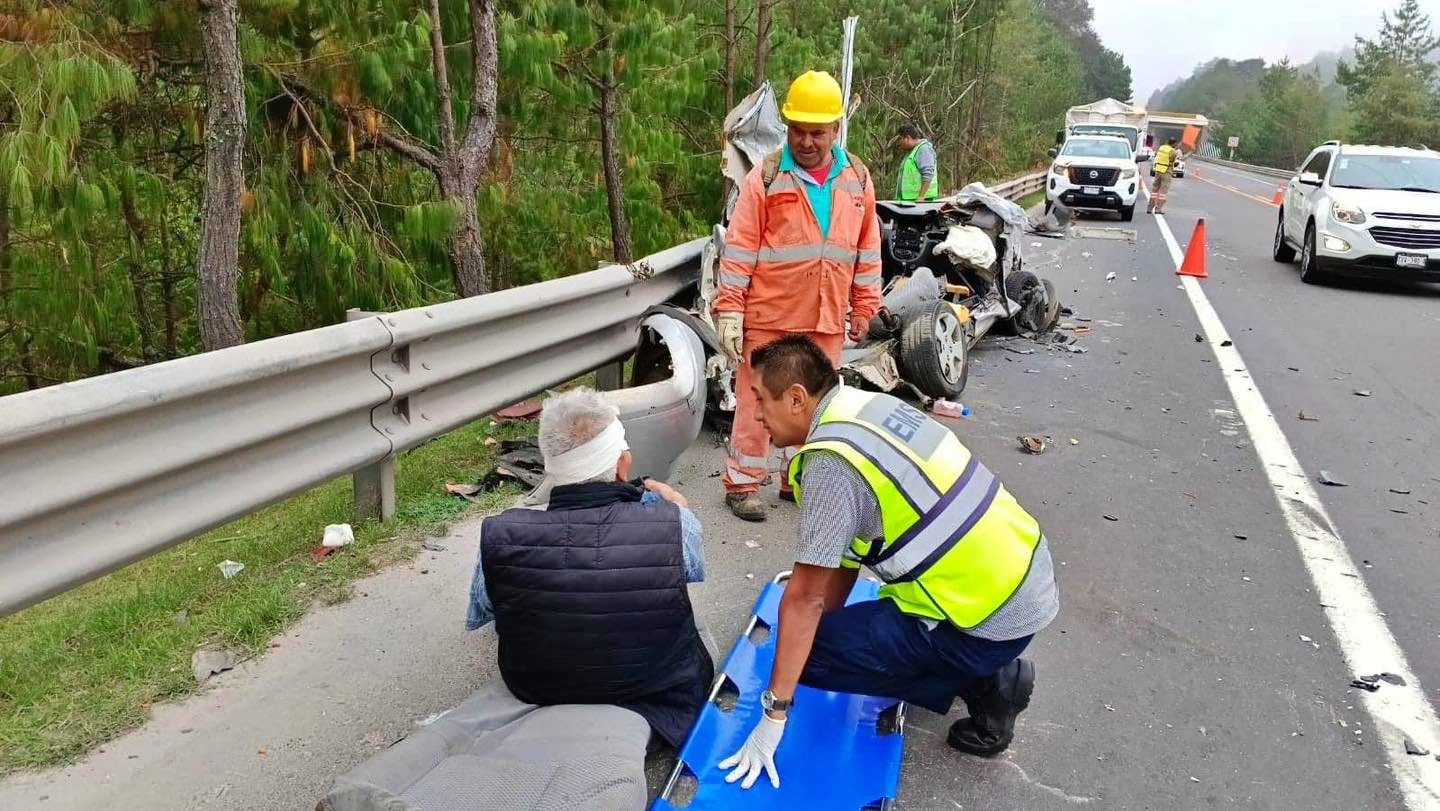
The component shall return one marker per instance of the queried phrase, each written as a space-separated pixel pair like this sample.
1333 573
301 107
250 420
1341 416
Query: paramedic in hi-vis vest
968 578
801 255
919 175
1164 169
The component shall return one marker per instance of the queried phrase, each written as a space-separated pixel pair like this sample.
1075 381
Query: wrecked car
952 271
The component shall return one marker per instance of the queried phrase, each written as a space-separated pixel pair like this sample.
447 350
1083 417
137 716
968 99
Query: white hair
572 418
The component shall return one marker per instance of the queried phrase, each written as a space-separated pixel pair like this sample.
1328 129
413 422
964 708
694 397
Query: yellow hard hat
814 98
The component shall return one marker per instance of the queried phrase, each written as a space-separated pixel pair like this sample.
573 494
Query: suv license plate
1410 260
1091 190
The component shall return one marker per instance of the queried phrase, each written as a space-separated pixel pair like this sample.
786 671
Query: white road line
1365 640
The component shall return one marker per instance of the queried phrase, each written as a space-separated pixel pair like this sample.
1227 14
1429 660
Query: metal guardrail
103 472
1020 187
1259 170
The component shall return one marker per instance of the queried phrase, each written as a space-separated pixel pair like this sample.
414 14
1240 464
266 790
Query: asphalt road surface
1217 599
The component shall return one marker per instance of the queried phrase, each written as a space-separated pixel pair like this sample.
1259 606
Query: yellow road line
1254 197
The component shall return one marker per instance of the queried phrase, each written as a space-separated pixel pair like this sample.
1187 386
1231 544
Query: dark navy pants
872 648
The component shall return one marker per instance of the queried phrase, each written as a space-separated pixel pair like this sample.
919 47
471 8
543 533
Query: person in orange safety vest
801 255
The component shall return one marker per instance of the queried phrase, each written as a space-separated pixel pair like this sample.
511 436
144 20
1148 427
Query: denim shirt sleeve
479 612
691 540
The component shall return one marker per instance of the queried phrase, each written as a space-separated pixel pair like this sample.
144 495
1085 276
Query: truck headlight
1058 169
1350 215
1129 173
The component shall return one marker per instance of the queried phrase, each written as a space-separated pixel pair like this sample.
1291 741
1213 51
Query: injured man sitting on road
589 595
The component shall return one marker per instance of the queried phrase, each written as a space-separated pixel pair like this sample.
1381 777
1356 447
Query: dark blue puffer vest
591 605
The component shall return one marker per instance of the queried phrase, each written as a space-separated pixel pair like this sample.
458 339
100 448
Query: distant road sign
1233 141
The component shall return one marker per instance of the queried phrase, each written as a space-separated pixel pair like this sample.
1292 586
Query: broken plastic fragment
1393 678
1413 748
230 568
1032 444
1326 477
1110 277
1306 416
1364 393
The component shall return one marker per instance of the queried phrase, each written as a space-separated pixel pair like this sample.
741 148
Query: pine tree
218 263
1392 82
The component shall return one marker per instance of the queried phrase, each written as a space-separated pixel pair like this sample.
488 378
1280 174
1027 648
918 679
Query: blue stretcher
841 751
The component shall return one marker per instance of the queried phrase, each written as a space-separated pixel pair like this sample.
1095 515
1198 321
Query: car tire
1310 272
1032 297
1049 204
1281 250
1127 213
934 351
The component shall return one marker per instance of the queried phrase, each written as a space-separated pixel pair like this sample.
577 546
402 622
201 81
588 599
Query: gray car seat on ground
495 751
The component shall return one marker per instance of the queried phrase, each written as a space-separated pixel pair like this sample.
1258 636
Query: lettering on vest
903 422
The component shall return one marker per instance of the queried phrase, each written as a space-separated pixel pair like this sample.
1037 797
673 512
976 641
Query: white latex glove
731 329
758 754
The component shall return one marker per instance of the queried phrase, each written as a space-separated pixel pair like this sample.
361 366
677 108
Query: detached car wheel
1025 289
934 354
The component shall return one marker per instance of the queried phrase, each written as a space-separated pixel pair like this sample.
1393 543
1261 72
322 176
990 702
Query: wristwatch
770 703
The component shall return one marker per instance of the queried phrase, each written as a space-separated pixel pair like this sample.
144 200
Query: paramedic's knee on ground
589 595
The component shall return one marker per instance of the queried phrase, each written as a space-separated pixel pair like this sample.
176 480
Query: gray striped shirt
838 506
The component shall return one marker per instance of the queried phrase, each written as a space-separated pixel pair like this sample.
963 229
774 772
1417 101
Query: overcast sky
1163 40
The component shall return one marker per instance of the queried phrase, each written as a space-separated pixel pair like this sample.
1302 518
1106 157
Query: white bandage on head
590 461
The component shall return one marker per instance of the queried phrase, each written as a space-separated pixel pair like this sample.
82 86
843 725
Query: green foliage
102 134
1392 80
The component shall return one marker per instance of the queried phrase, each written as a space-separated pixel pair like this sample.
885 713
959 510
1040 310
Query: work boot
746 506
994 702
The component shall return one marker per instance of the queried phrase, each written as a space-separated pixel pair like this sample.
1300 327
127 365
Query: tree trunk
467 244
218 265
135 264
5 280
762 38
610 160
732 55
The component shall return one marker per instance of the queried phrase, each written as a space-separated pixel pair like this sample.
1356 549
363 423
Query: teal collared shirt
820 194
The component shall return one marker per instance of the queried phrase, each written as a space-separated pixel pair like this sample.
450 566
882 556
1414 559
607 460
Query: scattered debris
430 546
230 568
1134 278
949 408
1241 537
1293 368
1194 779
1306 416
1326 477
751 545
181 617
491 442
1399 511
527 410
1074 441
749 576
1227 342
1413 748
320 551
519 461
1110 277
1017 350
1399 492
211 659
1108 517
1306 639
337 535
1364 393
1032 444
1393 678
1369 683
1087 255
1199 339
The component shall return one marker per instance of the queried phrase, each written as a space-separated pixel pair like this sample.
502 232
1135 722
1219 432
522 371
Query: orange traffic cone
1279 198
1194 264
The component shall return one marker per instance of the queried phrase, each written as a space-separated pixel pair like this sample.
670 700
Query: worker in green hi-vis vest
919 178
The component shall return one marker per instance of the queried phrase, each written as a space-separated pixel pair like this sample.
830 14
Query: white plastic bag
338 535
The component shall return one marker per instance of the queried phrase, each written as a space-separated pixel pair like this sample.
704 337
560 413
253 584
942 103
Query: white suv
1094 172
1368 211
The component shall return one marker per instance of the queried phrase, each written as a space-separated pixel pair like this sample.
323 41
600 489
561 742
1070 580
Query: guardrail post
374 486
610 377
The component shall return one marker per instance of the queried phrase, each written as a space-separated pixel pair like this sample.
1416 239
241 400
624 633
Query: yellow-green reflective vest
956 544
1164 159
910 180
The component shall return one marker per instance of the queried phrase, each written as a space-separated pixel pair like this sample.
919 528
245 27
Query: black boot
994 702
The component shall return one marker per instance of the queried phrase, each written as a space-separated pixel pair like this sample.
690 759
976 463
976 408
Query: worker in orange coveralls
801 255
